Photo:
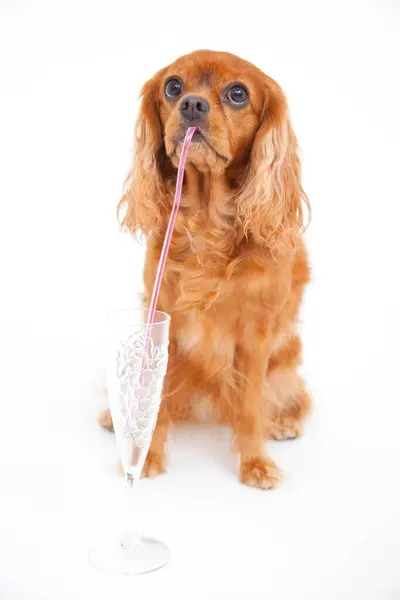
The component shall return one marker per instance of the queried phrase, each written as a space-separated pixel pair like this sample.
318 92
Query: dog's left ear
145 196
270 204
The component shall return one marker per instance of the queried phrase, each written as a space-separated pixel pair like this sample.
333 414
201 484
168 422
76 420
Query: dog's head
220 94
243 131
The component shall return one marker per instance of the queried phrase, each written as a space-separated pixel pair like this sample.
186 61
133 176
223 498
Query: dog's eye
173 88
237 95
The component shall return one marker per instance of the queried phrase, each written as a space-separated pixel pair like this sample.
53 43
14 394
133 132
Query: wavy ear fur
145 196
270 204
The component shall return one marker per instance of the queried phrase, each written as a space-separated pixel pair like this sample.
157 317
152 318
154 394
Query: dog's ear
145 198
270 204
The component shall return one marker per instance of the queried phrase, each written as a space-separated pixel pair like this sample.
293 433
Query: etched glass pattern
141 378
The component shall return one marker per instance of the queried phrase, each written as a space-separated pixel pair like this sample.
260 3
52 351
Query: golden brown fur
237 265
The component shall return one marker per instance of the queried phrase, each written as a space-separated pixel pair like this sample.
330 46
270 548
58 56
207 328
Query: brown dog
237 264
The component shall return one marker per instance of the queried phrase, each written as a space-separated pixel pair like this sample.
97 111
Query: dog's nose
193 108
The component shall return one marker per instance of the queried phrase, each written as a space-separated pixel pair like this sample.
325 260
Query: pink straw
168 235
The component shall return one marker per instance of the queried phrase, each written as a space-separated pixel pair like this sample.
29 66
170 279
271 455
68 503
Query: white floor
72 74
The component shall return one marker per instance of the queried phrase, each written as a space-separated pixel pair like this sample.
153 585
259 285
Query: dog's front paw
105 419
260 472
154 465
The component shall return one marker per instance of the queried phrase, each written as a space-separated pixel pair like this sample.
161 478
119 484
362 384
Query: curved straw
168 235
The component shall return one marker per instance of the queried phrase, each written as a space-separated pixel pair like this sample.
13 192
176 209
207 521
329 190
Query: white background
70 74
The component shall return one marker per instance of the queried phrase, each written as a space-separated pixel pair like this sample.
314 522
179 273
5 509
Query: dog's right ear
145 198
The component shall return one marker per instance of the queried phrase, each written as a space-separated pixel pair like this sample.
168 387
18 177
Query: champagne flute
136 366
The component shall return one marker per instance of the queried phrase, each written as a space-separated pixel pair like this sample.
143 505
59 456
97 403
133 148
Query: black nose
193 108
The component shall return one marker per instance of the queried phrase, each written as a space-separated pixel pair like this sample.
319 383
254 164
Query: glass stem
131 541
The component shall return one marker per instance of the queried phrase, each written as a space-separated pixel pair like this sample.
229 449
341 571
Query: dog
237 264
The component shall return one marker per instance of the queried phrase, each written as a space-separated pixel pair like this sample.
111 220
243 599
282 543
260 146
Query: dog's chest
196 241
197 270
192 331
208 337
205 311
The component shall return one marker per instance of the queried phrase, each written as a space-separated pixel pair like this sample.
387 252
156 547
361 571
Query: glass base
113 556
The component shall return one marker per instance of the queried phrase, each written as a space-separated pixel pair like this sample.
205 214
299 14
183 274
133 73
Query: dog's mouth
198 136
199 139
